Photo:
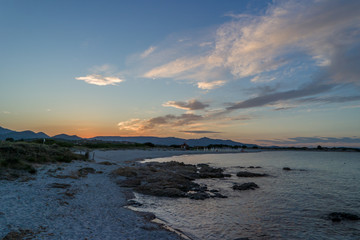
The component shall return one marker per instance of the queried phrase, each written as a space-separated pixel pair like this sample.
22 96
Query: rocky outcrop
169 179
340 216
250 174
245 186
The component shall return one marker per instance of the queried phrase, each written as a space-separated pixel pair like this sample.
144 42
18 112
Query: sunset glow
260 72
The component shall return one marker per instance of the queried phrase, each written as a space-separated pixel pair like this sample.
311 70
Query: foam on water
288 204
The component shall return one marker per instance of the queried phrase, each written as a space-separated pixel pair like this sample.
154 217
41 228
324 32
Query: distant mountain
4 131
172 141
67 137
165 141
23 135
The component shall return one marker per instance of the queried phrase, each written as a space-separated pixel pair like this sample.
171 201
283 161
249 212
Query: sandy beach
92 206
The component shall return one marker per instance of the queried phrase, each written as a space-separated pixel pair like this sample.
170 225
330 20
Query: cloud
100 80
210 85
323 33
199 132
148 51
330 99
134 124
152 123
314 140
102 75
260 101
189 105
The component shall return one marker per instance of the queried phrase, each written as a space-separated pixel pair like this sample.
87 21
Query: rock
168 179
218 195
126 171
131 182
286 169
58 185
198 195
206 171
245 186
83 172
339 216
250 174
106 163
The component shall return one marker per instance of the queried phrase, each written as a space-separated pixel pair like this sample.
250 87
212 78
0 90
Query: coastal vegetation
19 157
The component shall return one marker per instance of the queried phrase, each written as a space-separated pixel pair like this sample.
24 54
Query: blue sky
265 72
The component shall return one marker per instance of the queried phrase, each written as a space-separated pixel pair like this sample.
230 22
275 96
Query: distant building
184 146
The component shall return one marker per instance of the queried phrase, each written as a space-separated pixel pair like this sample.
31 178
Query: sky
264 72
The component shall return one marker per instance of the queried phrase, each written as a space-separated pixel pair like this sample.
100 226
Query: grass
23 155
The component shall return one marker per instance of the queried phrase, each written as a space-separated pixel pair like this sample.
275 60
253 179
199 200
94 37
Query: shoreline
58 204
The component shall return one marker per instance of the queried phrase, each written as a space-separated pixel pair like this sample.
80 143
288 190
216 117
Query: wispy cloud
307 90
167 120
102 76
210 85
323 33
189 105
313 140
199 132
148 51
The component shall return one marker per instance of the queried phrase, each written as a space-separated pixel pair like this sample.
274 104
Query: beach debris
169 179
106 163
245 186
58 185
250 174
339 216
133 203
19 235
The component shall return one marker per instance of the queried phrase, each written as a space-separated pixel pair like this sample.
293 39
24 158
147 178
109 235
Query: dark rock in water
198 195
59 185
339 216
251 167
168 179
218 195
245 186
214 190
242 239
250 174
286 168
206 171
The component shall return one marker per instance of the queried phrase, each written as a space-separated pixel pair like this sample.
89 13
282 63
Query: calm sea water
288 204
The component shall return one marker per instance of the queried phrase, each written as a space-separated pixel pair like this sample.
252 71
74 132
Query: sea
287 205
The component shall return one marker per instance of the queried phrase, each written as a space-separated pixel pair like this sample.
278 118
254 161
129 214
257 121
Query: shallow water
288 204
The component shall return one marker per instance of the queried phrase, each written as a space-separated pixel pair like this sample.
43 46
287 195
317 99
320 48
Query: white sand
95 212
